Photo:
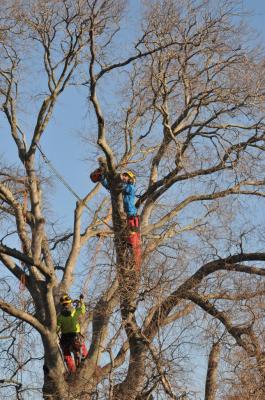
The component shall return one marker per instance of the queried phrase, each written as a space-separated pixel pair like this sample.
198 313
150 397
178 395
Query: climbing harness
76 349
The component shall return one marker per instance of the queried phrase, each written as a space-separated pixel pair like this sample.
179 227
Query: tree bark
211 378
54 387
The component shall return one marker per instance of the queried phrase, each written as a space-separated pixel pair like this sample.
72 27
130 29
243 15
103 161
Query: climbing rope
63 181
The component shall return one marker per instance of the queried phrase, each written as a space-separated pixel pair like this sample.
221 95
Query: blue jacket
128 191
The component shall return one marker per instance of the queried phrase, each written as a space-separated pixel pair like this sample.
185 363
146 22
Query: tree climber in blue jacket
128 180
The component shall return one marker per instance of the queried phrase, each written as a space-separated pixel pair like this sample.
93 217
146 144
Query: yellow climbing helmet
65 299
131 175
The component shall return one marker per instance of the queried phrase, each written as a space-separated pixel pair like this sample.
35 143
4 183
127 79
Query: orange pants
134 240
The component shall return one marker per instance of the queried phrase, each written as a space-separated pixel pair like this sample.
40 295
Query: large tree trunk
211 379
55 387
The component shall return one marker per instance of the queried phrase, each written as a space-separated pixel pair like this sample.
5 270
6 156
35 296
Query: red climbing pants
134 240
67 345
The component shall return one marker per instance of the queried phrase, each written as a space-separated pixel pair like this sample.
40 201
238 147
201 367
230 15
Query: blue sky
258 12
257 16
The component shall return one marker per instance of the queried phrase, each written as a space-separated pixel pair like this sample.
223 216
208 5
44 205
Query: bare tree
188 118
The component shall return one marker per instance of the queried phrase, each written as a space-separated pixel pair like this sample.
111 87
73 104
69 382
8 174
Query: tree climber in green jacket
68 324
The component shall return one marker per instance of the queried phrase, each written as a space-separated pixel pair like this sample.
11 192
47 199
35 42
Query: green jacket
70 323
